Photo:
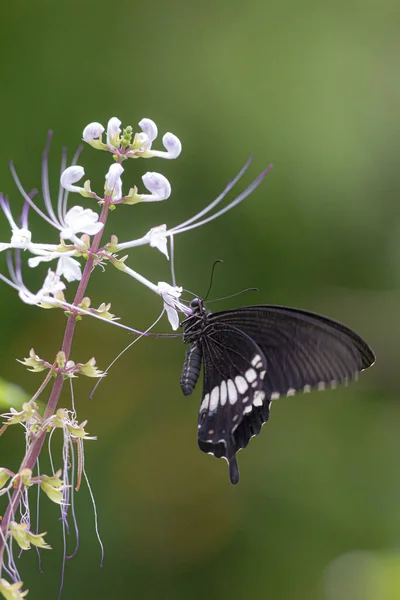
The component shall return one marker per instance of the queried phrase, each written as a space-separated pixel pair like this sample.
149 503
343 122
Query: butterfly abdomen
191 369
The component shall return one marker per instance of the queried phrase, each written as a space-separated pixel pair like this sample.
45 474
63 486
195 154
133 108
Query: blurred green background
314 88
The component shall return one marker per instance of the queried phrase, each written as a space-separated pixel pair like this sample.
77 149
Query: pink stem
35 448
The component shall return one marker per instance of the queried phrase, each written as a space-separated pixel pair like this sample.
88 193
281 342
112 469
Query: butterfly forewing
303 350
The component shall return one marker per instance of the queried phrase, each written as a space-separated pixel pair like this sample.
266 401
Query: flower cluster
77 249
76 225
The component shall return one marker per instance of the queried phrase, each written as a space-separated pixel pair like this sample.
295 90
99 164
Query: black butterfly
255 354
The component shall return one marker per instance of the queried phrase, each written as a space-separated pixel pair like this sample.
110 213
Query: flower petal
113 131
158 239
70 176
92 132
114 182
150 129
80 220
21 238
69 268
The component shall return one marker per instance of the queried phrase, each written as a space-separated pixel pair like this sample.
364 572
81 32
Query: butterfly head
197 305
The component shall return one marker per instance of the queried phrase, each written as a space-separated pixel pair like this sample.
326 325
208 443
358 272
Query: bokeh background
314 88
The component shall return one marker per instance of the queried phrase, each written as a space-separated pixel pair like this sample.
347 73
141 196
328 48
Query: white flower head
114 181
158 239
80 220
20 238
70 268
113 131
92 134
70 176
51 286
150 130
158 185
172 304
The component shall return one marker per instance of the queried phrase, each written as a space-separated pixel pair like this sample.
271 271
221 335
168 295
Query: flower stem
35 447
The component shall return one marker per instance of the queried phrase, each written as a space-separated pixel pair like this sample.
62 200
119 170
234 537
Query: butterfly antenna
219 260
252 289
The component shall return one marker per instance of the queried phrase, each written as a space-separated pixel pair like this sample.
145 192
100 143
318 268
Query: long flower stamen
196 220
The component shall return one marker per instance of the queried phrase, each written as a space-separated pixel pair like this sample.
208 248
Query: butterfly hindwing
234 371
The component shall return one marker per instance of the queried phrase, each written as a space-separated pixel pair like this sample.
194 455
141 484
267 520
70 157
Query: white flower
113 131
157 239
158 185
80 220
172 145
170 296
20 238
51 286
150 129
114 181
92 133
69 268
70 176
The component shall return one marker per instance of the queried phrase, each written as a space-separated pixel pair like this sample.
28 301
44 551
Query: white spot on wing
204 404
307 389
224 393
262 374
232 392
247 409
321 386
214 398
259 397
275 395
290 392
241 384
256 360
251 375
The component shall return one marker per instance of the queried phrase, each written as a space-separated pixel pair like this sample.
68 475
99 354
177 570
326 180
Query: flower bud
150 129
4 477
113 181
173 146
92 135
70 176
158 185
113 131
26 477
